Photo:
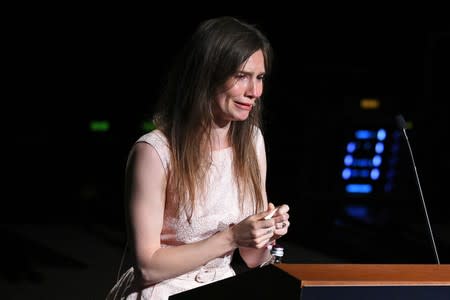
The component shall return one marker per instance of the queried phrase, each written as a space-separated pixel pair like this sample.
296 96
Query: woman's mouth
244 105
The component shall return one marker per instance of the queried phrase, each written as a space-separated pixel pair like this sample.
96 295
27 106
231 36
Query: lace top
216 209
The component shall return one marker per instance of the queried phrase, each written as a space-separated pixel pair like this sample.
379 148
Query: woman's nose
254 89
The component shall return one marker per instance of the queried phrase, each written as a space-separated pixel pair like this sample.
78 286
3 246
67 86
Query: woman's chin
241 117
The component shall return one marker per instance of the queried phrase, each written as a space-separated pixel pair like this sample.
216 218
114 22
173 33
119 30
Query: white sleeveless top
218 208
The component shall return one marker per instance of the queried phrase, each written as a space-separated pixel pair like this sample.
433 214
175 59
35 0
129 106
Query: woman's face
241 91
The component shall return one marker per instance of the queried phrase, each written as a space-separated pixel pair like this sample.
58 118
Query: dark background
73 67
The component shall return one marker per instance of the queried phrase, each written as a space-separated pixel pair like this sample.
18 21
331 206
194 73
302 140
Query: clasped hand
257 232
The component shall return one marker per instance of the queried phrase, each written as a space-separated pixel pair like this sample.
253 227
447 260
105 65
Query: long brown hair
215 52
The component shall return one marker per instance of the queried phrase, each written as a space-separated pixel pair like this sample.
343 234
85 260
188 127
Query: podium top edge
368 274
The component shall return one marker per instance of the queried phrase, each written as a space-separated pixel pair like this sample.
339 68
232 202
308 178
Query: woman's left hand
282 223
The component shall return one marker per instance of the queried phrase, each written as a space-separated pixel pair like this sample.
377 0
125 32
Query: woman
195 186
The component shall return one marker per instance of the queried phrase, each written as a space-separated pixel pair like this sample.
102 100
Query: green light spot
99 126
148 126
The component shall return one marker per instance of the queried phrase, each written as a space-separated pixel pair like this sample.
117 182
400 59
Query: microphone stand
430 232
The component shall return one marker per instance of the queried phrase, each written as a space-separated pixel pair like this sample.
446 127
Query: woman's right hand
254 231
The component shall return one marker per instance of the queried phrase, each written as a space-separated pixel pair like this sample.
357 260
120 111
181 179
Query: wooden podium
330 281
371 281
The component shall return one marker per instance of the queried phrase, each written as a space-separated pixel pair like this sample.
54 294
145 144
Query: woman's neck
220 136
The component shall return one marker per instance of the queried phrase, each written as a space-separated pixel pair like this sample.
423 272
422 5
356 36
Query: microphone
402 125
